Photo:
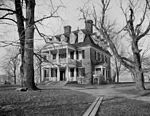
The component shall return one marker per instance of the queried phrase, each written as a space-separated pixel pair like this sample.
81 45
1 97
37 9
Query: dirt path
110 91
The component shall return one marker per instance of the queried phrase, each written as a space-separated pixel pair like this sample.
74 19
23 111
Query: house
79 56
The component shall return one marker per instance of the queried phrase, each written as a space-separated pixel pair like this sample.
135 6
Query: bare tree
11 63
135 32
115 64
26 26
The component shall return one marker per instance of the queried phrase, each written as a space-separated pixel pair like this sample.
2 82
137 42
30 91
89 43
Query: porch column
57 56
75 55
104 73
58 74
67 73
50 55
42 74
50 74
67 55
75 75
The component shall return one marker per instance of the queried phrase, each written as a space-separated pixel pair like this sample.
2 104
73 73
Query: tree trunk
21 32
15 75
139 80
117 77
29 45
117 70
114 76
137 72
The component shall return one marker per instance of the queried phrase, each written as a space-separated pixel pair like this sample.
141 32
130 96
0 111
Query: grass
48 102
130 89
123 107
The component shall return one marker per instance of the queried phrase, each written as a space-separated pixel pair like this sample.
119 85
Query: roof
87 40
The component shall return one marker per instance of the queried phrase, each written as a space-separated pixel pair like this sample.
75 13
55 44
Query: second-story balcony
69 62
65 56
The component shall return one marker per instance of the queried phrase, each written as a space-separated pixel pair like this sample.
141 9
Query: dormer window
72 38
54 39
63 38
81 36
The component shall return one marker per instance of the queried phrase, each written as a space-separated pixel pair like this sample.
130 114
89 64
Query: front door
62 74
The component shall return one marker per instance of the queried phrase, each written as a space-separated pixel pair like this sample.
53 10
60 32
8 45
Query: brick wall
86 63
96 62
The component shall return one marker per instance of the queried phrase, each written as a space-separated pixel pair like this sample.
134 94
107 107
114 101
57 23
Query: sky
70 15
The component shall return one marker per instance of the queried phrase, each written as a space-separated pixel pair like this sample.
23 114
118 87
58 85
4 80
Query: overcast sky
70 15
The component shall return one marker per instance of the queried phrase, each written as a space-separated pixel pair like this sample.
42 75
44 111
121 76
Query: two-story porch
61 63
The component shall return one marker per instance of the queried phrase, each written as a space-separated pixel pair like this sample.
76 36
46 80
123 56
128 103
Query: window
72 55
106 74
46 72
98 71
77 70
106 59
103 72
77 54
83 72
54 56
83 54
72 72
102 58
62 55
44 58
53 72
98 56
80 55
95 55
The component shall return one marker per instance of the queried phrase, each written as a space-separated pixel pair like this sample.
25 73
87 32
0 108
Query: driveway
110 91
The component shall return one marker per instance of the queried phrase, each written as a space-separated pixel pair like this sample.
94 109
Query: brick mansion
76 56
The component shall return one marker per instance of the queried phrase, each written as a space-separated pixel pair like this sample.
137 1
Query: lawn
129 88
48 102
123 107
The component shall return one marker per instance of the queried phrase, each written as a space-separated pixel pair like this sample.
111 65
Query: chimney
89 26
67 29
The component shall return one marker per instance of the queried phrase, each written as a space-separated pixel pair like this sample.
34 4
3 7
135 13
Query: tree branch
144 33
50 16
7 9
142 19
9 19
7 14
